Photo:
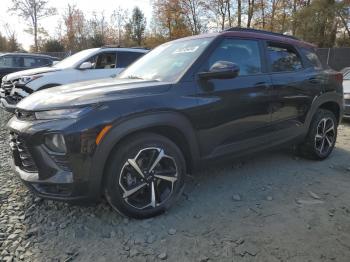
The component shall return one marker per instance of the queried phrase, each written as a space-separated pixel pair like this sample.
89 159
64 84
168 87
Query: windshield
167 62
76 58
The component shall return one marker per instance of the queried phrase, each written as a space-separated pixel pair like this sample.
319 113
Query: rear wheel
145 175
322 136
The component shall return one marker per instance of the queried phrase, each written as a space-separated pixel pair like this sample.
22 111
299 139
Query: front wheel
145 175
321 137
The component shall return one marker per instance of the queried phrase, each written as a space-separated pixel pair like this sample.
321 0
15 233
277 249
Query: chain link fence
336 58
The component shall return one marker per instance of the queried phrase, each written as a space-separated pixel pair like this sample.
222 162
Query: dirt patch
273 207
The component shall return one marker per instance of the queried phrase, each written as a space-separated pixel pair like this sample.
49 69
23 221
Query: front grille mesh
18 145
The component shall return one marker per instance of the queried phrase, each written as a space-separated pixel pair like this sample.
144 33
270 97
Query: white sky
50 24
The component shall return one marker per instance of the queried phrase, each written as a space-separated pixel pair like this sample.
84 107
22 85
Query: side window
105 61
244 53
42 62
312 58
283 58
127 58
29 62
6 61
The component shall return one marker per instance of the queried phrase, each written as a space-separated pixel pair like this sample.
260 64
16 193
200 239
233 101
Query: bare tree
239 13
119 18
250 12
194 11
32 11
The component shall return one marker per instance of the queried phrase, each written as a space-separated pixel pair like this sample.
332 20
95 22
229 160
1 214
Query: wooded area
322 22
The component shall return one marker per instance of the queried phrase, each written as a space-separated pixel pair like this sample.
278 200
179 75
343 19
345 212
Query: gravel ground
275 207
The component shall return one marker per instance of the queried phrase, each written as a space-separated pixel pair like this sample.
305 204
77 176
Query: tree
119 18
137 25
170 18
32 11
75 29
53 45
194 11
12 42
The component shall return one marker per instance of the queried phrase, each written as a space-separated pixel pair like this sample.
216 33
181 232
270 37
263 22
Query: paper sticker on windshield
191 49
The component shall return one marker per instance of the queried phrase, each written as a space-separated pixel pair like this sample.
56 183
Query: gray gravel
275 207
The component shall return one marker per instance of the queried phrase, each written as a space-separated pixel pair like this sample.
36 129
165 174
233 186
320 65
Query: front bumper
48 174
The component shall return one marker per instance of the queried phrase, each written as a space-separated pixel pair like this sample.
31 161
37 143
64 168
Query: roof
29 54
128 49
255 34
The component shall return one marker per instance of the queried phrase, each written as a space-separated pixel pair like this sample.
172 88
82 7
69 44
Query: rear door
235 113
295 85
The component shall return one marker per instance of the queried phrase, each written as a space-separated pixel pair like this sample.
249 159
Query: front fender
138 123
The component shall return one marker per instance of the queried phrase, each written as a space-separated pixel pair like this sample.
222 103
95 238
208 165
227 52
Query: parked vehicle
89 64
346 84
13 62
134 138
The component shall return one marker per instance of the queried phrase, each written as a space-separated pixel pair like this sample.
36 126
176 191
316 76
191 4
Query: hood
90 92
29 72
346 86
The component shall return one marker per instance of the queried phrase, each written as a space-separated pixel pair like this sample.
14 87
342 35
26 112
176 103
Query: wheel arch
172 125
329 101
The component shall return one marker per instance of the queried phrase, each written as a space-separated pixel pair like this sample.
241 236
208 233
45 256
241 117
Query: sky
50 24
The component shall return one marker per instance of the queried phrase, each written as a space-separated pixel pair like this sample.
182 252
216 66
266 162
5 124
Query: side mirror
221 70
85 65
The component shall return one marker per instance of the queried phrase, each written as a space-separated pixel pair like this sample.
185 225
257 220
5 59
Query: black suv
133 139
13 62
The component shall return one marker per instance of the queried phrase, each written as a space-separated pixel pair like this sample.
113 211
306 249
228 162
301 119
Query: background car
13 62
346 88
85 65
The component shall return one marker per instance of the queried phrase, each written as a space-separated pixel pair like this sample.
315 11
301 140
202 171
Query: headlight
69 113
26 79
56 143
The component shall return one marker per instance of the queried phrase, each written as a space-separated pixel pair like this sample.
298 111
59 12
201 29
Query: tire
145 175
321 138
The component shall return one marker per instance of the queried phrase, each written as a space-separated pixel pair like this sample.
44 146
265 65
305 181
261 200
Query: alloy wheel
148 179
325 136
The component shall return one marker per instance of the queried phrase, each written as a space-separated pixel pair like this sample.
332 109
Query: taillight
339 78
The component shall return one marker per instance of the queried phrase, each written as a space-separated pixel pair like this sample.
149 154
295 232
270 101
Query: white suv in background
89 64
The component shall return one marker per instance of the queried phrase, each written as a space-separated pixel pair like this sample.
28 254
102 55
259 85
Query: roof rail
259 31
119 46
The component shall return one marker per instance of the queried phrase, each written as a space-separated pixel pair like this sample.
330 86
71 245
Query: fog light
56 143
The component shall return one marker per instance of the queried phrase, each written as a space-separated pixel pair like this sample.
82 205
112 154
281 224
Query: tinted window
127 58
244 53
6 61
43 62
29 62
103 60
284 59
312 58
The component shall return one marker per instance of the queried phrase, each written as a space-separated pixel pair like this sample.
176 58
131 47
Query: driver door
104 66
235 113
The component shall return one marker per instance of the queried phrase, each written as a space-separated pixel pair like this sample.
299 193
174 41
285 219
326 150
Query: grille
62 162
6 88
18 145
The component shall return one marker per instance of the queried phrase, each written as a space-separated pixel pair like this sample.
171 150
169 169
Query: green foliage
53 45
136 26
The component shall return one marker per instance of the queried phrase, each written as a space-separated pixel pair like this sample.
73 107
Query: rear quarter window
312 57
